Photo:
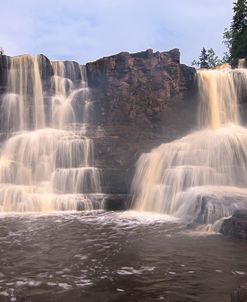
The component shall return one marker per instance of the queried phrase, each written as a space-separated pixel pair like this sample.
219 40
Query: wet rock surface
4 66
139 88
116 202
240 294
236 227
137 102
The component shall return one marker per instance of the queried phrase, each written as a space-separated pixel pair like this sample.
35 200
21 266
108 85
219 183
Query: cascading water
24 93
46 163
201 177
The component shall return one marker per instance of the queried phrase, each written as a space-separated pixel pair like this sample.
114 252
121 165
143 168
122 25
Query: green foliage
235 38
202 62
213 60
207 59
226 58
227 38
203 59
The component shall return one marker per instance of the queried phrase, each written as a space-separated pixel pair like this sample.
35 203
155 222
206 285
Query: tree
235 38
213 60
202 62
203 59
226 58
207 59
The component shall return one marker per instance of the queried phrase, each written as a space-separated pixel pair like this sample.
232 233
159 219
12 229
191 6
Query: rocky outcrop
138 101
240 294
236 226
139 88
4 66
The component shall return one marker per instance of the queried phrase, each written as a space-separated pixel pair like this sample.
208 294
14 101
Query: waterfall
46 163
218 98
201 177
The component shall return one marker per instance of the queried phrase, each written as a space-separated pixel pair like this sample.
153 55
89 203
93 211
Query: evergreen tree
212 59
207 59
203 59
235 38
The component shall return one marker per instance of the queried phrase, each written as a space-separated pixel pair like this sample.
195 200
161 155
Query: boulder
236 226
240 294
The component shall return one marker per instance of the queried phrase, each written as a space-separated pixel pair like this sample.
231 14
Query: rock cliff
139 87
138 102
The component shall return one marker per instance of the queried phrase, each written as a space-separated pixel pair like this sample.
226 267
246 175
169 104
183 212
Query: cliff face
4 67
139 87
138 102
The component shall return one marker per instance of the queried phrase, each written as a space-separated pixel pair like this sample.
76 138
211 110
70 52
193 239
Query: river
114 256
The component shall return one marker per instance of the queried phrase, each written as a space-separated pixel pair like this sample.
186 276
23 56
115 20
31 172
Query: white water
46 163
201 177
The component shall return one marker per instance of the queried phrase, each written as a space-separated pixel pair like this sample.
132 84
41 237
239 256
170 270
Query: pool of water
110 256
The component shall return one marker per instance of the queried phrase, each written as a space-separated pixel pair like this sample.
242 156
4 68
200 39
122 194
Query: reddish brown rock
140 100
139 88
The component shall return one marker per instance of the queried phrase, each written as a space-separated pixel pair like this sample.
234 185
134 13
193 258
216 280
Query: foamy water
201 177
47 161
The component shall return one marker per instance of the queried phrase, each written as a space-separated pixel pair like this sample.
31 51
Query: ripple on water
133 252
125 270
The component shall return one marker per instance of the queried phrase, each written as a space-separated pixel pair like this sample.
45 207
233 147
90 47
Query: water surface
104 256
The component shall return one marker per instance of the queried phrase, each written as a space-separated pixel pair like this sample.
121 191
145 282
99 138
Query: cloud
84 31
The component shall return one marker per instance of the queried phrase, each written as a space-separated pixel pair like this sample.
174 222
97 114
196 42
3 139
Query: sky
86 30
